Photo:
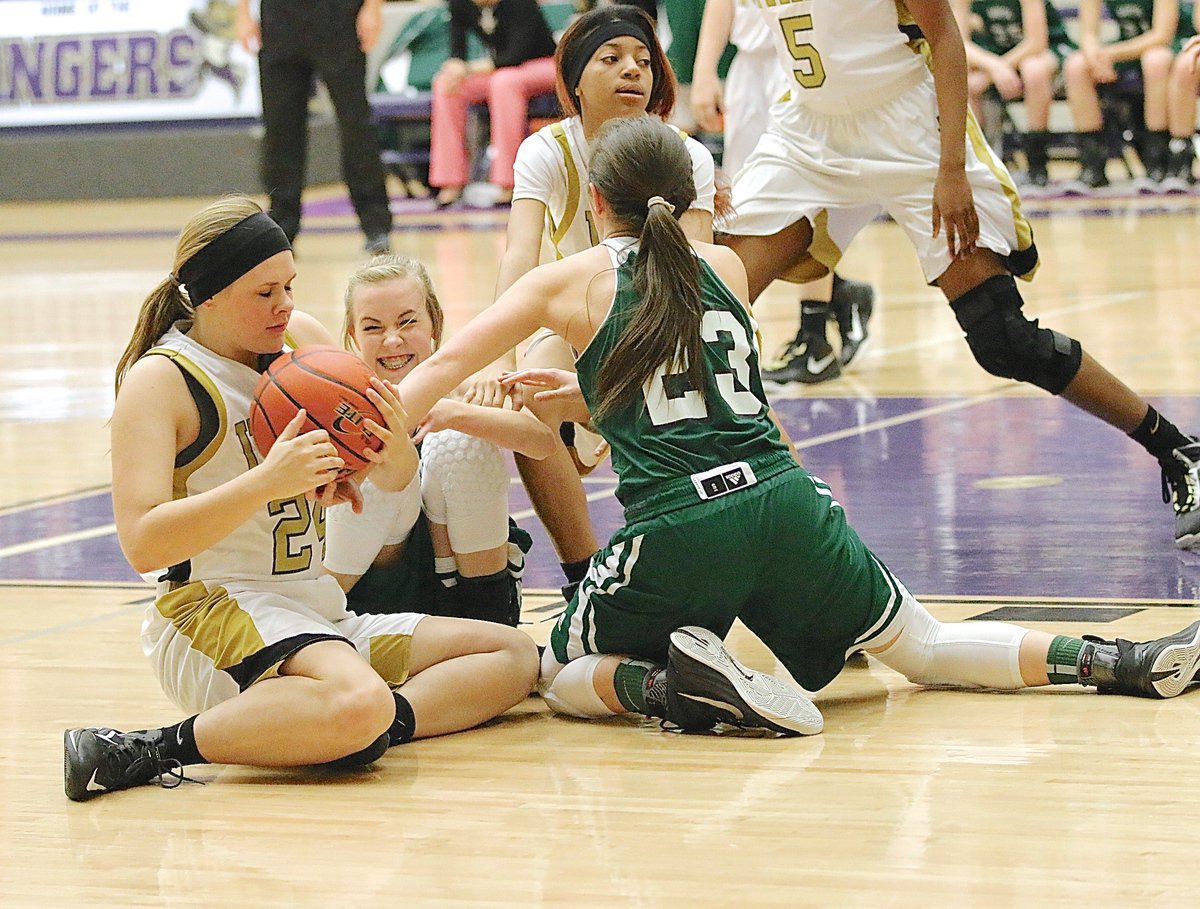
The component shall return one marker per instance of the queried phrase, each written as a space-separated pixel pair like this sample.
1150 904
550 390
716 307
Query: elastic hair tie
184 296
659 200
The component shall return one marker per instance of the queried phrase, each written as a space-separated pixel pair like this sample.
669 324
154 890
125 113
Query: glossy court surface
985 498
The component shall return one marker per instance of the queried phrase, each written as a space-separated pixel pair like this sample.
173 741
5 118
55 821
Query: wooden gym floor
985 497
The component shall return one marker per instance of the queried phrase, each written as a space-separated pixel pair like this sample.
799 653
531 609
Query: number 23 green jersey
668 432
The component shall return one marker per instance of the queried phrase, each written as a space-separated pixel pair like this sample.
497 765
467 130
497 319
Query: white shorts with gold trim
839 172
210 642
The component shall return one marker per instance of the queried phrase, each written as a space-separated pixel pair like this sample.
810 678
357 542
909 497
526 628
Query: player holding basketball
877 122
439 540
721 522
246 634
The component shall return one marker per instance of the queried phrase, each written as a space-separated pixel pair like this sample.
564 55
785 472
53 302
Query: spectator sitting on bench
519 66
1151 33
1181 112
1016 46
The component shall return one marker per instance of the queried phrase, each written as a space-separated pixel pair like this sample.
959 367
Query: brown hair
168 302
662 92
634 160
390 267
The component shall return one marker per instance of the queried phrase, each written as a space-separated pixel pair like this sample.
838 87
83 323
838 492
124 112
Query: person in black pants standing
298 40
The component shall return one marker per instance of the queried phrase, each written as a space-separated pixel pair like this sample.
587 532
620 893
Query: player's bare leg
1008 344
776 256
554 484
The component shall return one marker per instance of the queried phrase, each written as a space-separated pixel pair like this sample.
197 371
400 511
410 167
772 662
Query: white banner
122 61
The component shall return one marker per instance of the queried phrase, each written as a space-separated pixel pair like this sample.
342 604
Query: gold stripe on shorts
390 657
984 153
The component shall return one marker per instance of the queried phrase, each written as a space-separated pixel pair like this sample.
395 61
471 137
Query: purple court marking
39 521
910 490
106 235
339 206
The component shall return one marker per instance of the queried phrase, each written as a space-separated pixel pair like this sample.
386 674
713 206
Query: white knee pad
464 485
957 654
568 688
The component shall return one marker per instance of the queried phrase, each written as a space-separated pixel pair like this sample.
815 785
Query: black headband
248 243
617 24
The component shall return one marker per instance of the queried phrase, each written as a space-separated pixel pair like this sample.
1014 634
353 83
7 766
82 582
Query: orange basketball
329 384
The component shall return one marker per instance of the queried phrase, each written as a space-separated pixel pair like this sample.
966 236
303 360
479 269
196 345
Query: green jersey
997 27
1133 17
1186 27
668 435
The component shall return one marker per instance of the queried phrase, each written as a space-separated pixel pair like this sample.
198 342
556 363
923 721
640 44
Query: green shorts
778 555
410 584
407 584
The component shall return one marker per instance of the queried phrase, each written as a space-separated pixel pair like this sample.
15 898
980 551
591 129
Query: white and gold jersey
749 31
842 56
552 166
285 539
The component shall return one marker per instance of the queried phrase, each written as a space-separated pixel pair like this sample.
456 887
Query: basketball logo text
348 421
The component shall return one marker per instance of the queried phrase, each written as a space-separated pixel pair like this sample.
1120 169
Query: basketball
330 385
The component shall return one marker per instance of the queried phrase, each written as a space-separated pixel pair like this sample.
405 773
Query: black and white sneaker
805 358
1091 181
1181 489
1158 669
99 760
852 304
707 686
1179 178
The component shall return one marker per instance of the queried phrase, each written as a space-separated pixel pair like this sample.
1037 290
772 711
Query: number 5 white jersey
843 56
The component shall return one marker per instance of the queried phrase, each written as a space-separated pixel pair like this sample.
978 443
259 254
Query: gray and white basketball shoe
706 686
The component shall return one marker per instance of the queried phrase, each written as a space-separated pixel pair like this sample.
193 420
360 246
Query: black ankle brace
1159 436
813 316
1098 663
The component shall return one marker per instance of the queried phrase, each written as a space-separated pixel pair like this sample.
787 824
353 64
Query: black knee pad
1010 346
368 755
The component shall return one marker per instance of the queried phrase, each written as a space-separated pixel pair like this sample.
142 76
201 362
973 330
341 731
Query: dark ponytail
637 160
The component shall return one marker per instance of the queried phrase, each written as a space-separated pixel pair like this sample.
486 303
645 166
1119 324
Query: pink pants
507 91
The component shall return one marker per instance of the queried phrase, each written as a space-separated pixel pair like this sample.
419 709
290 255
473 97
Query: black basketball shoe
101 760
1155 669
1181 489
707 686
1179 177
852 304
806 358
